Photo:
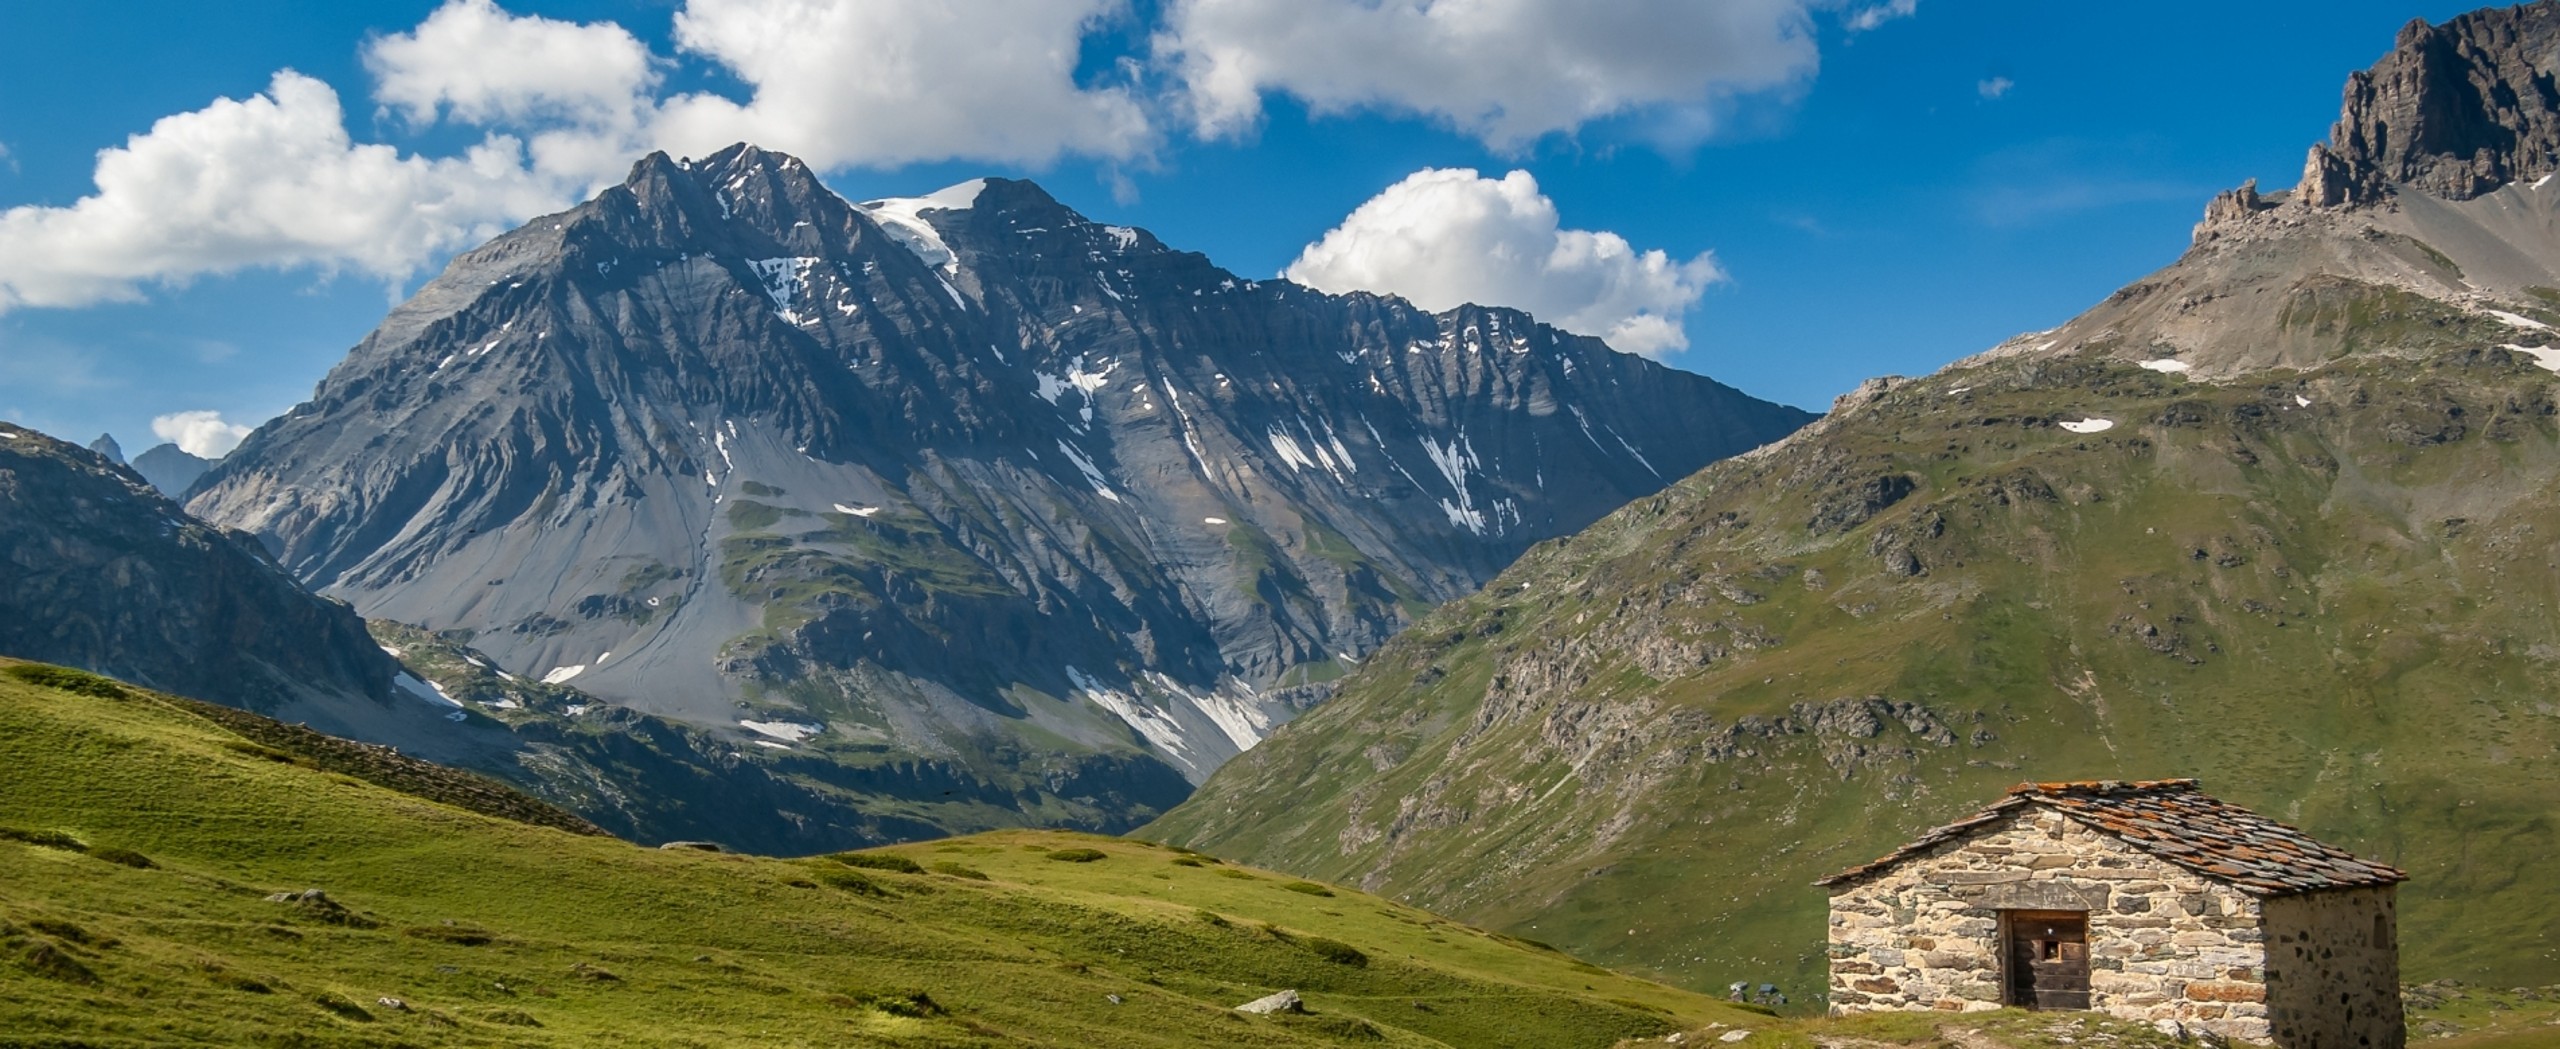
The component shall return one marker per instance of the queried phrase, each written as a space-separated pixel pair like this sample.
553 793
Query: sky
204 206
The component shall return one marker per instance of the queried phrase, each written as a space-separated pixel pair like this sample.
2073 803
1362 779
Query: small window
2381 932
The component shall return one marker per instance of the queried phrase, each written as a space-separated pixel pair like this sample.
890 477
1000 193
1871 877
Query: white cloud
482 65
271 180
1443 237
887 82
200 433
1505 71
1994 88
1874 15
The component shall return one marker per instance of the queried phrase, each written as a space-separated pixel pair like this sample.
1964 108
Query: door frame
2010 921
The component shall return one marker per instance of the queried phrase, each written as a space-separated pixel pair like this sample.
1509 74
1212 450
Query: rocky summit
963 481
2277 516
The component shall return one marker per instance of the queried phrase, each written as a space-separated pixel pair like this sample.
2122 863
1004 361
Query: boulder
1283 1002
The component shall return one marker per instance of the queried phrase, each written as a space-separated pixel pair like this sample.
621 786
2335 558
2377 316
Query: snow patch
903 219
2164 364
2518 320
2090 425
786 731
560 675
769 744
1092 474
1213 520
2545 357
1150 723
857 511
784 280
426 690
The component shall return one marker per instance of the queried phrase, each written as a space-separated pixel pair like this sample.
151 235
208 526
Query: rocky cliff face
105 573
964 479
2455 110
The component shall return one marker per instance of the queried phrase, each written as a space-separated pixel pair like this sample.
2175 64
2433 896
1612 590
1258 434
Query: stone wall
2333 969
2165 944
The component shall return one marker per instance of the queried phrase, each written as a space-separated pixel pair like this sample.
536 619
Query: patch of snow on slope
2164 364
903 219
2517 320
784 280
2090 425
2300 401
1456 461
426 690
1244 724
559 675
2545 357
786 731
1150 723
1092 475
1213 520
857 511
1287 448
1631 450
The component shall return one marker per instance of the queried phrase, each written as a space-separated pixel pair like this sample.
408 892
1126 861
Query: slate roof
2171 819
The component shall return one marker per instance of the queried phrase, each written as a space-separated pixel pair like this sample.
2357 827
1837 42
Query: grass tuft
959 870
1078 855
879 861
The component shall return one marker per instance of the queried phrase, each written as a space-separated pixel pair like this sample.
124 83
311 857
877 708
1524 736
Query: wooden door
2049 959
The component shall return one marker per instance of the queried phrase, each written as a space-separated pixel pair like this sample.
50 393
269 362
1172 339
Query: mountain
963 481
333 904
108 449
170 469
2278 516
106 574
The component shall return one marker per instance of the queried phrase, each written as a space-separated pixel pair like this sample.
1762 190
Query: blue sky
1914 183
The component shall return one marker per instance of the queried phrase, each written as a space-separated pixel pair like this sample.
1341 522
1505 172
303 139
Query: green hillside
141 841
2329 594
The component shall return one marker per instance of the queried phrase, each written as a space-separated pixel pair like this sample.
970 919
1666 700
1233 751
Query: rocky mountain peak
2455 110
723 446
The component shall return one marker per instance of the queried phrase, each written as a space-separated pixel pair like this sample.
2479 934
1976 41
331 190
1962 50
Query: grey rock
696 846
2455 110
108 449
1283 1002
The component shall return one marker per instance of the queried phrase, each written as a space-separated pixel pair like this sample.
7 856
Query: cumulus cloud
481 64
271 180
1505 71
200 433
1444 237
887 82
1994 88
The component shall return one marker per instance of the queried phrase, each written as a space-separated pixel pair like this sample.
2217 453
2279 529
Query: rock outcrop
2454 110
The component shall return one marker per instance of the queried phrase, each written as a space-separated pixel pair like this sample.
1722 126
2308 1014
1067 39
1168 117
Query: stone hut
2147 901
